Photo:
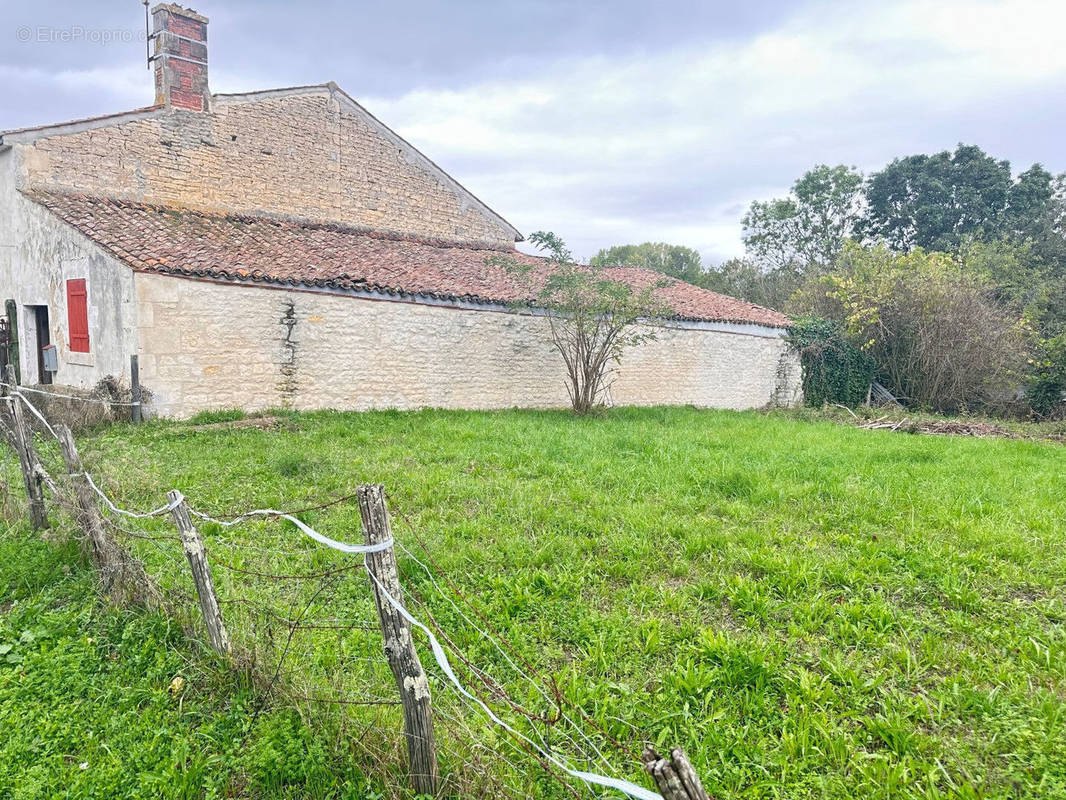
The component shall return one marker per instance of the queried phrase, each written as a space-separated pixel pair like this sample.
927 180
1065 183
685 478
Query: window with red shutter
78 315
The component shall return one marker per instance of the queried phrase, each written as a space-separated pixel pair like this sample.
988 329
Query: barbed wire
272 645
309 576
496 639
631 789
496 689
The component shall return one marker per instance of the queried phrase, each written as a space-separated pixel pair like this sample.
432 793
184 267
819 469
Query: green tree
933 202
1036 214
1030 202
1018 280
807 229
743 279
1046 388
593 319
674 260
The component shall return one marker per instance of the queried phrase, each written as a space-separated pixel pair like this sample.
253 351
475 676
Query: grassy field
811 610
89 707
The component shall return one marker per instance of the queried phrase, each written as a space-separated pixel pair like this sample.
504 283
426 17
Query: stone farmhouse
284 248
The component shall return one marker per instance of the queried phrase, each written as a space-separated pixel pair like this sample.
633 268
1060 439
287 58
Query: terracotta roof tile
262 249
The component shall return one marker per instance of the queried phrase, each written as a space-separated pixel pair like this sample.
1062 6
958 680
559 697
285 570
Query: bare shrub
592 317
936 333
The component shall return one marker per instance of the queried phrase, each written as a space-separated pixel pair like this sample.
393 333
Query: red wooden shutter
78 315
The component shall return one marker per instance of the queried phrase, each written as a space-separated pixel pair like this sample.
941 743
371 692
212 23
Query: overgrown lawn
811 610
97 702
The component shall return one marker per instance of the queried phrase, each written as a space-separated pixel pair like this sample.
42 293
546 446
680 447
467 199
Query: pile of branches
945 427
940 427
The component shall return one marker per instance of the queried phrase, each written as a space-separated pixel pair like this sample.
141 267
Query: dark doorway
44 338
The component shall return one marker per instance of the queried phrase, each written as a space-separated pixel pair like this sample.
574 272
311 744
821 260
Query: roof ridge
82 120
271 218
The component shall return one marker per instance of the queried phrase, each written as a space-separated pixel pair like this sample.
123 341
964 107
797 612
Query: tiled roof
277 251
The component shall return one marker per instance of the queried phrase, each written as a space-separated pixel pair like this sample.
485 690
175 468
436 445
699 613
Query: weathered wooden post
27 456
11 310
407 670
674 776
135 390
106 555
122 576
193 546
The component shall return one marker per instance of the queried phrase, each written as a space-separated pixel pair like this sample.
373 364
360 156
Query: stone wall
207 345
310 153
38 254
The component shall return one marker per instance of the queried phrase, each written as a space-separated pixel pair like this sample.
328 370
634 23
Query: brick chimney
180 58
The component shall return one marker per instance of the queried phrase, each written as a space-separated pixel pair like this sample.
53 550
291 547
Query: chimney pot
180 36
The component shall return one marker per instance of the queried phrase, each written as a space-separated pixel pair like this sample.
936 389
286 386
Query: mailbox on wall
51 359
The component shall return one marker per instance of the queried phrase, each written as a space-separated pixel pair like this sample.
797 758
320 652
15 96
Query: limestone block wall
309 153
207 345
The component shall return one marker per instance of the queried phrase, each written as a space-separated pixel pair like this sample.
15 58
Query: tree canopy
674 260
949 247
809 227
942 268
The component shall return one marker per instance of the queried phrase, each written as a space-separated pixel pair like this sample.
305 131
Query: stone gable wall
307 155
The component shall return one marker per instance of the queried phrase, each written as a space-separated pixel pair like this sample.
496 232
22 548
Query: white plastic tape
343 547
631 789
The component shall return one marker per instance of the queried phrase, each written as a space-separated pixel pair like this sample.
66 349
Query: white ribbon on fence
631 789
624 786
107 501
306 529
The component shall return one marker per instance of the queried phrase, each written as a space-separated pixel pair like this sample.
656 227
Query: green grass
221 415
811 610
87 707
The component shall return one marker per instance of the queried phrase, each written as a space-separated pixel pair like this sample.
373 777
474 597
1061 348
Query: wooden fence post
11 310
193 546
106 555
407 670
674 776
27 456
135 390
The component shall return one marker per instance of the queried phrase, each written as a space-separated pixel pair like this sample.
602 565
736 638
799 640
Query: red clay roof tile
261 249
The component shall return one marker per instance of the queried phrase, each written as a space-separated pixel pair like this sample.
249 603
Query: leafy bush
834 371
1046 390
933 327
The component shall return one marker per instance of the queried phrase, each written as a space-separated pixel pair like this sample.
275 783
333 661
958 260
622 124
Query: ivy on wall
834 371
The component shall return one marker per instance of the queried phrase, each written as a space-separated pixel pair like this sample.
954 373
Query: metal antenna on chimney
147 37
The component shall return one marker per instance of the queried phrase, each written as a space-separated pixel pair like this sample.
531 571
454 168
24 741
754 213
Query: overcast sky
607 122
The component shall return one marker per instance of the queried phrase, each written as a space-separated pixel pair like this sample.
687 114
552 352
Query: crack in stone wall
288 385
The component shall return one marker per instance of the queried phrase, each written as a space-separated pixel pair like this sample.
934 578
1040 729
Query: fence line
379 551
100 400
557 700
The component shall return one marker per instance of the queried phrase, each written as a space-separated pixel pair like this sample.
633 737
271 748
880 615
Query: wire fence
305 614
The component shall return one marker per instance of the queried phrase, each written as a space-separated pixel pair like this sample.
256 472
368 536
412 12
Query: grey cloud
607 122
